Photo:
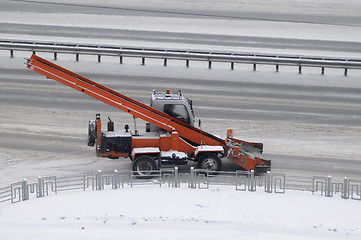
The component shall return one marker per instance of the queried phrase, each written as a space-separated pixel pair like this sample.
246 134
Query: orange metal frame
122 102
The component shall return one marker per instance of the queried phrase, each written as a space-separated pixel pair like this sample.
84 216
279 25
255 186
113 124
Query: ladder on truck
243 153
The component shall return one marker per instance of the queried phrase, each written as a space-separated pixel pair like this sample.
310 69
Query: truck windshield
177 111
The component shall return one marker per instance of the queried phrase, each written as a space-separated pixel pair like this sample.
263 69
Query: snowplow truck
170 137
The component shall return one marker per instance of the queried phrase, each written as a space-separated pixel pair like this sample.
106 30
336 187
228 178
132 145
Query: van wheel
209 162
144 167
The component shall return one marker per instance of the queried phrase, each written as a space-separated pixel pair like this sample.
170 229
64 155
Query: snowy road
306 129
317 28
309 124
165 38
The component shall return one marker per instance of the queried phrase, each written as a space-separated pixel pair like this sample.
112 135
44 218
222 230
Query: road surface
309 123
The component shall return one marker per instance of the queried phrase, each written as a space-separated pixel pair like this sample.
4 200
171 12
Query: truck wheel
144 167
209 162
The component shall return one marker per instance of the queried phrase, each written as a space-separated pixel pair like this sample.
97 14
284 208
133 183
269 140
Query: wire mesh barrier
170 177
184 55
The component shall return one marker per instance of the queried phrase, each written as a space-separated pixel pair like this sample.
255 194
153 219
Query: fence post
176 178
121 59
55 56
40 187
346 188
143 60
277 68
345 73
11 53
268 185
165 62
313 185
131 179
252 181
55 185
192 183
323 71
115 180
77 57
254 67
328 190
99 180
25 190
187 63
99 58
300 69
232 65
209 64
12 193
84 182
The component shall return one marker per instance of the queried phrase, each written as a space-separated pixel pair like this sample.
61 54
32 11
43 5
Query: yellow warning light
168 91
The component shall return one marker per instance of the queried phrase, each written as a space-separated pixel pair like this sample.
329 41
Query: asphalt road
44 122
166 11
309 123
164 38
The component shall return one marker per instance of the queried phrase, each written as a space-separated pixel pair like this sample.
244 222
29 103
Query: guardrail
177 54
195 178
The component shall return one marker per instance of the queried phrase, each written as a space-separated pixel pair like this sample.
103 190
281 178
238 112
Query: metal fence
177 54
170 177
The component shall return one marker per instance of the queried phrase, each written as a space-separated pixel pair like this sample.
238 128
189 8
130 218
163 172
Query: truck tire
209 162
144 167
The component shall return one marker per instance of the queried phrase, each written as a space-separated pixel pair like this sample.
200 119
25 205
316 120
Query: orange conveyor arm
122 102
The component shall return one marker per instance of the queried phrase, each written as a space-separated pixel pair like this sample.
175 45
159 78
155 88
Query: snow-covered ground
151 212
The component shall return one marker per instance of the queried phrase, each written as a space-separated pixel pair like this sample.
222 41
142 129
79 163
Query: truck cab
173 104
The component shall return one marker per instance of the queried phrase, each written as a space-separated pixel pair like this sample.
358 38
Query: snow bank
166 213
